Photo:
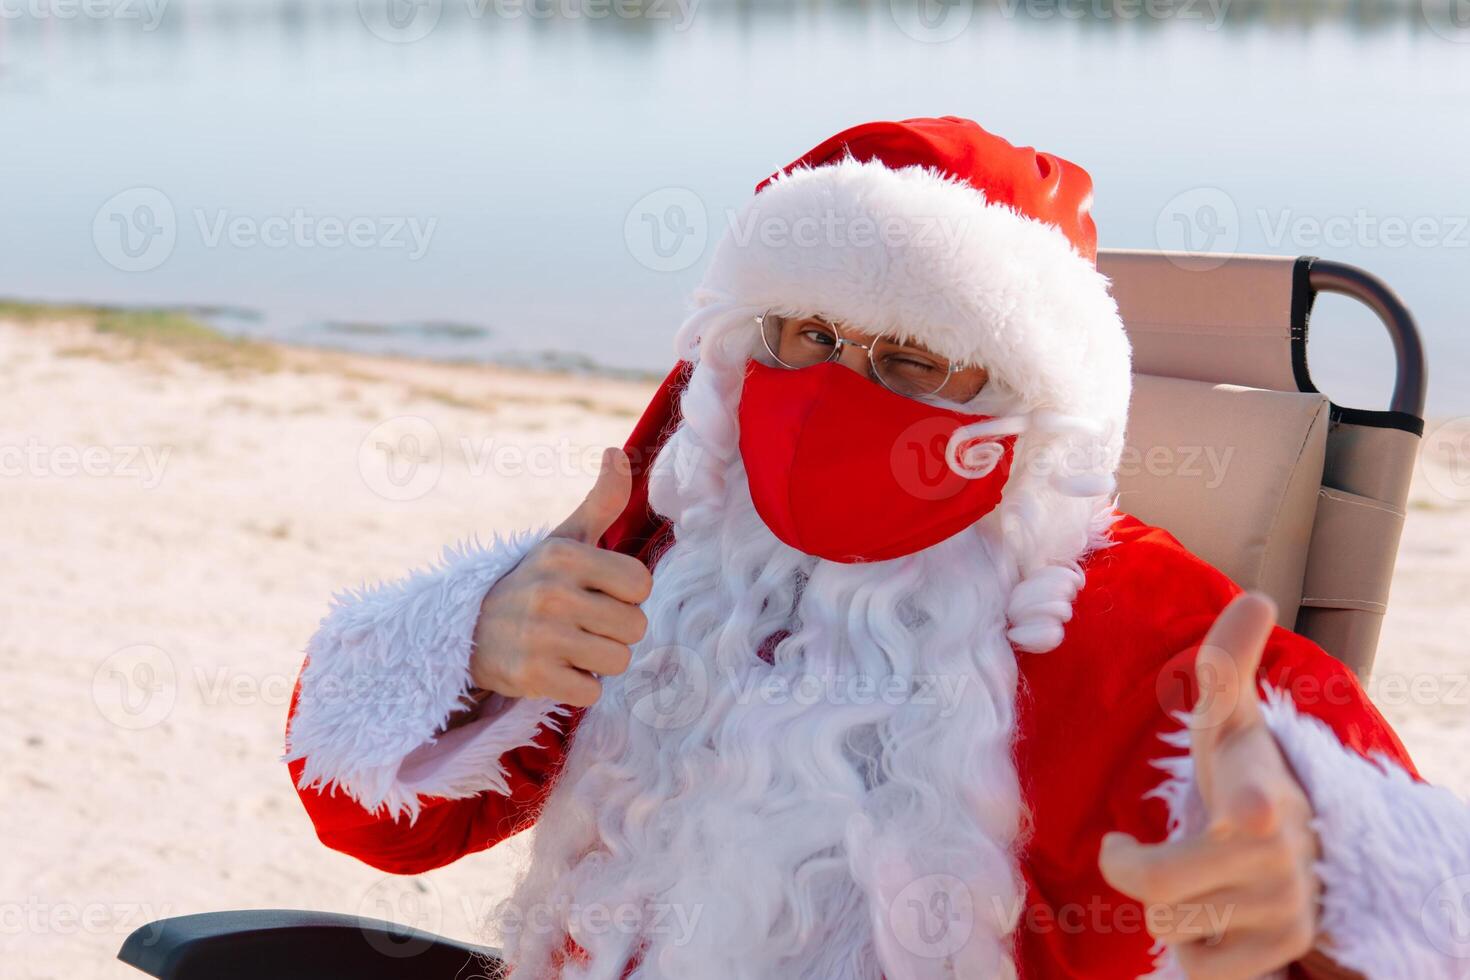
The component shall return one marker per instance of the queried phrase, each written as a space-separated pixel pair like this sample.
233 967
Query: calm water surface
518 186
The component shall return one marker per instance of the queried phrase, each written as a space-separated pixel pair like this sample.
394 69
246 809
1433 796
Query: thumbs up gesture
1240 899
568 613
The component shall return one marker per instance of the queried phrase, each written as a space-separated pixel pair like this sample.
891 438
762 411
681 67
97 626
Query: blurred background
541 180
271 273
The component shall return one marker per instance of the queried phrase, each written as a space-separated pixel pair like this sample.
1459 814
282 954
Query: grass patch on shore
152 330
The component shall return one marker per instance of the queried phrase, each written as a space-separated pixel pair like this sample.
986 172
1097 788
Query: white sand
132 795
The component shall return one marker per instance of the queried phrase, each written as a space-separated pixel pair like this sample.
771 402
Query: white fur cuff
1395 865
1395 855
385 671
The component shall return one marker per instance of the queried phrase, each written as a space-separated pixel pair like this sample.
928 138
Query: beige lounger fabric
1233 472
1280 498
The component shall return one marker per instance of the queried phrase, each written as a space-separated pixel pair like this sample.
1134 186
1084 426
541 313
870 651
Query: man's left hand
1240 899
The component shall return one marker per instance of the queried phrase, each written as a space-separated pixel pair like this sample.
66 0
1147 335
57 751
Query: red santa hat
938 232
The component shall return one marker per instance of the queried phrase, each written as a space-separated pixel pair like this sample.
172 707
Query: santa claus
849 667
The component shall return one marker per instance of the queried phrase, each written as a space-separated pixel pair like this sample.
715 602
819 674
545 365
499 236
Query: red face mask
844 469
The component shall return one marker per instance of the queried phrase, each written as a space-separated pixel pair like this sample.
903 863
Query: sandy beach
179 508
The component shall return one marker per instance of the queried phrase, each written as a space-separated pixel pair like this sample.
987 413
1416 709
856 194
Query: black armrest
280 944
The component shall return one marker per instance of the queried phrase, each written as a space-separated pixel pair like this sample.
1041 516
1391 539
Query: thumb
1225 670
604 502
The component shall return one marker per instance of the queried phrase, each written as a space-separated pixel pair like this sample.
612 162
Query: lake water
480 178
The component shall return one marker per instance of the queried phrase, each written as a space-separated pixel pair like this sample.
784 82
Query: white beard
850 810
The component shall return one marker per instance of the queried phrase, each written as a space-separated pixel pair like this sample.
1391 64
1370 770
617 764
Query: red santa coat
1091 714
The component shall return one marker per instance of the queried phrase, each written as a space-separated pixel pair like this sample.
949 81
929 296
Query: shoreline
200 320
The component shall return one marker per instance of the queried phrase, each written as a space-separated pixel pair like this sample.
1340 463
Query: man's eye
815 336
910 363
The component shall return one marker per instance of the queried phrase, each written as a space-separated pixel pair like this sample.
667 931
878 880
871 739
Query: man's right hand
568 613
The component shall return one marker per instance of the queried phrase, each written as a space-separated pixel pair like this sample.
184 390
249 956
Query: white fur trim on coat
385 671
1395 865
915 254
